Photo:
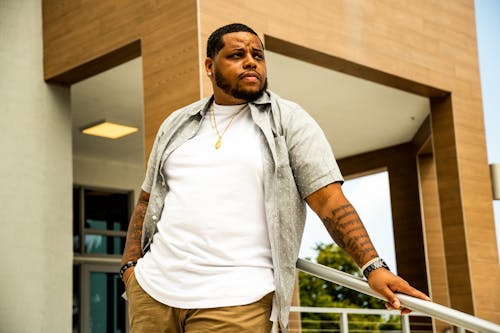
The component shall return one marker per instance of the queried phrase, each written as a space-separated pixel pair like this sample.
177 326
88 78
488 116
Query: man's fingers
405 311
409 290
392 300
388 306
387 284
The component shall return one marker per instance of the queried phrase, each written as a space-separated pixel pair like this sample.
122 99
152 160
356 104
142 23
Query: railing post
344 323
460 330
405 324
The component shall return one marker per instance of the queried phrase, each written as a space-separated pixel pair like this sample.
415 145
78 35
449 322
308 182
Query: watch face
375 265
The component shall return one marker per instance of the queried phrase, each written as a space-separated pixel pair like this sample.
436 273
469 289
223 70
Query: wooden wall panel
433 235
348 67
476 201
83 38
415 40
468 229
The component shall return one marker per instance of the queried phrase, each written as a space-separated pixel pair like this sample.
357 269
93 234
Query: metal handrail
356 311
429 308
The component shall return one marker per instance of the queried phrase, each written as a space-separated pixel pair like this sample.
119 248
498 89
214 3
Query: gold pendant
218 144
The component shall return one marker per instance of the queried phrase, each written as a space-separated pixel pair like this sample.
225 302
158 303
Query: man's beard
248 96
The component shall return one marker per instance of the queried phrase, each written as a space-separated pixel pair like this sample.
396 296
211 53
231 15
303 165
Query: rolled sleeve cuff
320 182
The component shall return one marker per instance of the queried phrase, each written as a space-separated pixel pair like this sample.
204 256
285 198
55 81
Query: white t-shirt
212 247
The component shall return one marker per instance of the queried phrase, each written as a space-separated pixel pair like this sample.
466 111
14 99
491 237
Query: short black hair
215 42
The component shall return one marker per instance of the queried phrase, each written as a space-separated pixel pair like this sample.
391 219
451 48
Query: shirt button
154 217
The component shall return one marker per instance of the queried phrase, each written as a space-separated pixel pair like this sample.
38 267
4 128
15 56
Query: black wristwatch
379 263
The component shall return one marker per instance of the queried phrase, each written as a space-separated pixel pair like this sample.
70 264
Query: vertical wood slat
457 261
433 235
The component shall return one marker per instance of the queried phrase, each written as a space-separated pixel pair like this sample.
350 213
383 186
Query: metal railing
429 308
343 321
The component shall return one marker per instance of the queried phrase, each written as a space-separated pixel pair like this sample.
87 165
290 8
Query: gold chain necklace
214 125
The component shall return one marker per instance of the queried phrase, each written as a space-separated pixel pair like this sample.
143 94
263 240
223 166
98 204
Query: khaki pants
148 315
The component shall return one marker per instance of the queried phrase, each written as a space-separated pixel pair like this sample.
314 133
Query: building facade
439 179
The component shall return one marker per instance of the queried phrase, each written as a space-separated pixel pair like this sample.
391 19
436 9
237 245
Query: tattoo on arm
347 230
133 249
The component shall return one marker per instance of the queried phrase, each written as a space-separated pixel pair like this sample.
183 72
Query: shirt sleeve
311 158
152 164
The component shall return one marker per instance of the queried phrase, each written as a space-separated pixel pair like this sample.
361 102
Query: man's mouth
250 77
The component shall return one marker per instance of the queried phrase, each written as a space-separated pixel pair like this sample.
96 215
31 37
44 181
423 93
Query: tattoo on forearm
347 230
340 209
355 229
133 249
348 223
349 213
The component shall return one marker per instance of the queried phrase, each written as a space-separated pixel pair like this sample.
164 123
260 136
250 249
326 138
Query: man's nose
249 62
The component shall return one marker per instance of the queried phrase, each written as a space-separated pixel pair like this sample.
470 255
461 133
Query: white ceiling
356 115
116 96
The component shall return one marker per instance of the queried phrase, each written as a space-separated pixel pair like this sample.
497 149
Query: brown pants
148 315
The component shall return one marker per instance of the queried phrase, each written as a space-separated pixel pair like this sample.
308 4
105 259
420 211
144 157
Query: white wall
108 174
35 181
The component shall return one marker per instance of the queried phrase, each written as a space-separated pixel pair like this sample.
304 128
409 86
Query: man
214 238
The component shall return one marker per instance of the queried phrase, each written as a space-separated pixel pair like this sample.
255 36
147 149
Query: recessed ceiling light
109 130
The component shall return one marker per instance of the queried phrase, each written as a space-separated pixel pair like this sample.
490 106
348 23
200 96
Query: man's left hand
387 284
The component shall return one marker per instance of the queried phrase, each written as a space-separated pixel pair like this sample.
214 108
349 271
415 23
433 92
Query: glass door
99 229
103 308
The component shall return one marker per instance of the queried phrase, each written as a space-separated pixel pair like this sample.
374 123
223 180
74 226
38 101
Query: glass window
107 310
76 299
100 222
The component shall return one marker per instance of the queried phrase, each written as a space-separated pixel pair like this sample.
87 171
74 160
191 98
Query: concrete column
35 181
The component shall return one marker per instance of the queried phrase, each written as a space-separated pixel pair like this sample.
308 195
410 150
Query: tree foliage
315 292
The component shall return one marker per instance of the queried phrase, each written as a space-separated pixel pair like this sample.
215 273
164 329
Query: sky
375 210
488 32
371 197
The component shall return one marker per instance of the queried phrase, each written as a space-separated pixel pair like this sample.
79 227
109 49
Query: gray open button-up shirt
297 159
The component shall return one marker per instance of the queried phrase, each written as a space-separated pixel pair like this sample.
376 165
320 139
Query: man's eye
259 56
235 55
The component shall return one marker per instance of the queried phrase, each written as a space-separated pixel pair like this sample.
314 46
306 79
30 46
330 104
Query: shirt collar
264 99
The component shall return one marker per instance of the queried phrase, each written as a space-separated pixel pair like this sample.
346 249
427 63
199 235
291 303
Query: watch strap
373 265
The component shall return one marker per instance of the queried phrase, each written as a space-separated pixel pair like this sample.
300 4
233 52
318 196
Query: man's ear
209 66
